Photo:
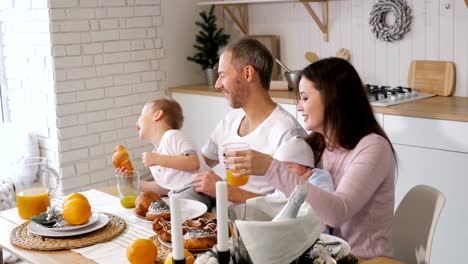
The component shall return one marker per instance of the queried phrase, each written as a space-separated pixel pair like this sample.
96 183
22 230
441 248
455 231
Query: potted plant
208 41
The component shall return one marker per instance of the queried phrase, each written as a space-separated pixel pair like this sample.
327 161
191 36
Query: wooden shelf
241 17
235 2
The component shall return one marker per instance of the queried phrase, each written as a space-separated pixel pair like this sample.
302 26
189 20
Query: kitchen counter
438 107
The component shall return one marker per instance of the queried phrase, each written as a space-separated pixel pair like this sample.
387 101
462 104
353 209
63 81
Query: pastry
158 208
199 238
143 202
120 158
165 231
198 234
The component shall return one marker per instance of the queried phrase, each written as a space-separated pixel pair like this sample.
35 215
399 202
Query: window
2 118
3 99
2 106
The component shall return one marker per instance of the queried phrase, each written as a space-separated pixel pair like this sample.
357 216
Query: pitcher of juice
230 179
35 182
128 186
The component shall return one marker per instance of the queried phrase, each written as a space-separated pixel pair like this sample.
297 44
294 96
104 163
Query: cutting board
436 77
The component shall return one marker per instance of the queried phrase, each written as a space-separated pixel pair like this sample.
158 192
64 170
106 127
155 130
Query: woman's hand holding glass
248 162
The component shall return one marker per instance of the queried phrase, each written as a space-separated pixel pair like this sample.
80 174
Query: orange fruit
189 258
76 211
73 196
142 251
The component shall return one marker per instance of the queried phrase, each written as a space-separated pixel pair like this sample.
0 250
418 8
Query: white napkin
277 242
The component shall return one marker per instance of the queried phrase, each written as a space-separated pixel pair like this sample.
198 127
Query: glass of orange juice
36 181
128 186
230 179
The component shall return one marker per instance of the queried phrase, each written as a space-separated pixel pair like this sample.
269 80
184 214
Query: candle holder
224 257
174 261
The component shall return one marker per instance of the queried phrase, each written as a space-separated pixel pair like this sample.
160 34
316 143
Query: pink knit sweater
361 209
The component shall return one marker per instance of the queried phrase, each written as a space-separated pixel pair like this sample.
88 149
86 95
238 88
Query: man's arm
205 182
237 195
210 162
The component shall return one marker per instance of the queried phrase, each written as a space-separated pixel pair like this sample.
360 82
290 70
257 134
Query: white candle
176 228
222 215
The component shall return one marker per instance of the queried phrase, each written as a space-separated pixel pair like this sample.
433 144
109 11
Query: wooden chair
415 222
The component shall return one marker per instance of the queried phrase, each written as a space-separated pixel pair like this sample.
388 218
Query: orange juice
236 181
128 201
32 202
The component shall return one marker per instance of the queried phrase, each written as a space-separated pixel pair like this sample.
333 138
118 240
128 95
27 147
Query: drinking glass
128 186
230 179
35 182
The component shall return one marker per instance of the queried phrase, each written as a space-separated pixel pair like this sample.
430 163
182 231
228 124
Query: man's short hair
249 51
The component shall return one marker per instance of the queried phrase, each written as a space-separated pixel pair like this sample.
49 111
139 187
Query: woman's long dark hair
348 116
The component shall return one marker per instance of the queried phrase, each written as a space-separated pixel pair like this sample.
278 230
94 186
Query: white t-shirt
267 137
173 143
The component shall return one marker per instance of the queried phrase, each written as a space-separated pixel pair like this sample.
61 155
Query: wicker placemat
163 251
20 237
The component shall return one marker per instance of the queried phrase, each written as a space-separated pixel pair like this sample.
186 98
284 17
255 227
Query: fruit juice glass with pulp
234 180
128 201
32 202
230 179
128 186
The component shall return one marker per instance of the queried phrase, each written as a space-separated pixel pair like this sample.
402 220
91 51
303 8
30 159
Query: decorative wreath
402 24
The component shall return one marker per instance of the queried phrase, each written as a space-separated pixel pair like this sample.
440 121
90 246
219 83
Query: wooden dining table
9 219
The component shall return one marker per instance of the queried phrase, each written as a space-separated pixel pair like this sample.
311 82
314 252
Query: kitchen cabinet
201 115
428 133
435 152
379 118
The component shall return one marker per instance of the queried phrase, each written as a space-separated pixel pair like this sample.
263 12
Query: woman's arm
372 163
188 162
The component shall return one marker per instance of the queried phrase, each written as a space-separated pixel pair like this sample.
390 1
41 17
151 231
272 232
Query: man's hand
249 162
149 159
205 182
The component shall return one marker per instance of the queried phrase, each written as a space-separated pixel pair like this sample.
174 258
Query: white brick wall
104 57
78 72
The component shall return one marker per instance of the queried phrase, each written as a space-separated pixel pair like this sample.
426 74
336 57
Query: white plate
67 227
341 250
51 232
189 209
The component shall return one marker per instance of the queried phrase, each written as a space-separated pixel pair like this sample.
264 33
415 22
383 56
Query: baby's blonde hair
171 109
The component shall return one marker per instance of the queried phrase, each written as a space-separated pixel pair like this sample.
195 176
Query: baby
298 156
174 161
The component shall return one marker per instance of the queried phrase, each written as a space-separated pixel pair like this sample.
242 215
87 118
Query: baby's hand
307 174
149 159
123 171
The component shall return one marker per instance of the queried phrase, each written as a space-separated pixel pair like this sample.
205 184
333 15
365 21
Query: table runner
115 251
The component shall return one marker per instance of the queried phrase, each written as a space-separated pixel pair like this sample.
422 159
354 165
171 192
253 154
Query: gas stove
387 96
